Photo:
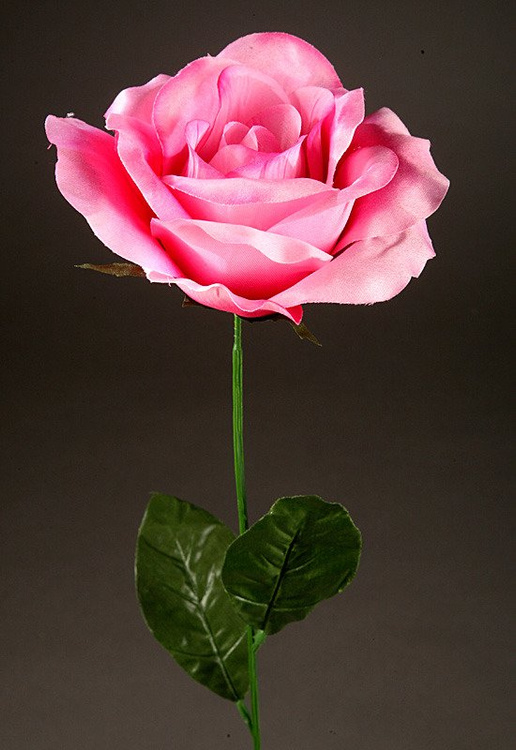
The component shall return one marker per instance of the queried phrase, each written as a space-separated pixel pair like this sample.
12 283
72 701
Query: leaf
303 551
179 556
115 269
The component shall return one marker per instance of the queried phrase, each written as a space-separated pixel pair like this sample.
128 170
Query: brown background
112 390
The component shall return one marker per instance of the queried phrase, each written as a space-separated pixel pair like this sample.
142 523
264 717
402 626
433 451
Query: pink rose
252 181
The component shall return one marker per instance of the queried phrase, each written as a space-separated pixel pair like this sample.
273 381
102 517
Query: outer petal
140 153
221 298
320 223
90 176
239 200
415 192
251 263
291 61
138 101
370 271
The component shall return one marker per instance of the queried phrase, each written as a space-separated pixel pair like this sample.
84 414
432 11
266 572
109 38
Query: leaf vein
218 656
279 578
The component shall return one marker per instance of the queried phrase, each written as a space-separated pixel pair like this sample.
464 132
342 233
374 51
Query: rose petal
283 121
195 131
231 157
261 139
349 113
286 165
192 94
243 93
140 153
291 61
255 137
388 121
320 225
239 200
316 156
233 133
322 221
413 194
251 263
221 298
90 176
372 270
195 166
367 169
313 104
137 101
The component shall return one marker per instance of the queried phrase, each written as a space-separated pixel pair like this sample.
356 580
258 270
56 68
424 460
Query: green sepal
302 551
179 557
305 333
114 269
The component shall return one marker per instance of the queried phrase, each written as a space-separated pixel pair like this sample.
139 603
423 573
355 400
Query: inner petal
263 139
283 120
234 132
275 166
243 93
313 104
232 157
194 165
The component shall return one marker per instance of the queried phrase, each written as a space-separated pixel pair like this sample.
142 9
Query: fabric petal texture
291 61
369 271
138 101
239 200
253 182
247 261
414 194
91 177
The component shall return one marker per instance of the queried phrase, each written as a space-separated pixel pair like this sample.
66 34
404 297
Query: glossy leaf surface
303 551
179 557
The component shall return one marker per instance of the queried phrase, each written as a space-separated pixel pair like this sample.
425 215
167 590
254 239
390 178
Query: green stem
243 523
238 427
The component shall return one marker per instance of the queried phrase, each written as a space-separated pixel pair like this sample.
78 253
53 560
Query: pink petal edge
369 271
92 179
291 61
221 298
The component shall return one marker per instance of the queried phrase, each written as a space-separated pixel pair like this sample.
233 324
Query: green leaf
179 557
303 551
114 269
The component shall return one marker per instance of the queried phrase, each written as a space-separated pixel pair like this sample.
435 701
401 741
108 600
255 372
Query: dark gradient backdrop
112 390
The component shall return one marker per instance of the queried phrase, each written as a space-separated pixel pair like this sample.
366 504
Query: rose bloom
253 182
